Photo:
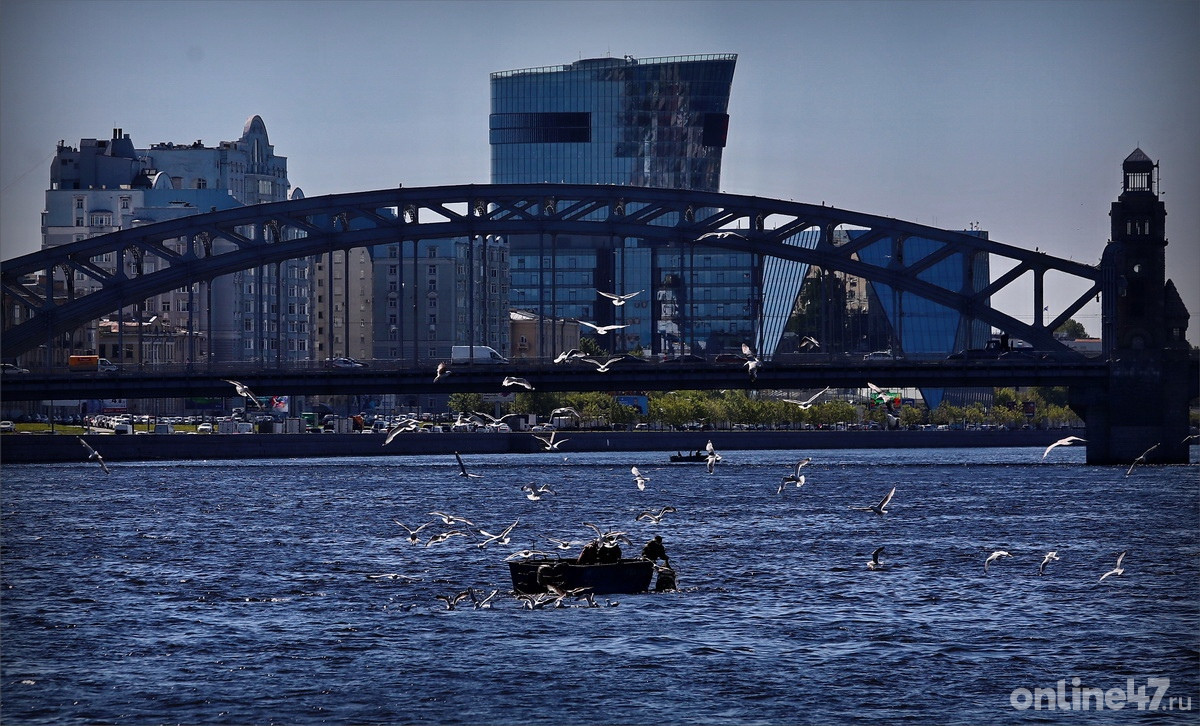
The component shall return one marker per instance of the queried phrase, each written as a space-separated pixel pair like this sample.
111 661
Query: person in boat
655 551
609 553
590 554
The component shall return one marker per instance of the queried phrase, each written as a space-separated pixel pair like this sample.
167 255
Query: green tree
911 416
1072 329
465 402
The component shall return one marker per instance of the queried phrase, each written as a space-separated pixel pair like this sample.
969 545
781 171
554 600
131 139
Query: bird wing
1120 559
887 500
590 325
462 467
86 445
609 295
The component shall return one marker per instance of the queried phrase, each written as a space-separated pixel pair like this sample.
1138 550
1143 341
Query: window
432 270
79 202
432 284
166 306
124 202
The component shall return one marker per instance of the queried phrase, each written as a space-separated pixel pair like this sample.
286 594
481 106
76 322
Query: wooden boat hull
624 577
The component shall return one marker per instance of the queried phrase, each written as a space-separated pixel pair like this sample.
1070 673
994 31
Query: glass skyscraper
655 122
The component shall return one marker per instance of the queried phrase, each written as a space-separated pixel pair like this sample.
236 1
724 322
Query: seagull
602 367
875 389
639 479
93 454
443 369
602 329
808 342
513 381
393 576
462 471
565 410
805 405
1118 570
412 533
1051 556
526 554
748 351
880 508
244 392
799 480
533 602
610 537
407 424
485 603
653 518
993 557
571 354
713 457
502 538
619 300
535 493
1063 442
1190 438
875 564
550 443
450 519
1140 460
452 600
719 235
752 368
560 544
443 536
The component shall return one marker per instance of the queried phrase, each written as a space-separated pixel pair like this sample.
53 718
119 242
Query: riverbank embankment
45 448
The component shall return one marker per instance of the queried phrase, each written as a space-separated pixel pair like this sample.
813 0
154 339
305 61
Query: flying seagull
1140 460
244 392
450 519
534 493
502 538
805 405
875 564
719 235
1190 438
443 536
653 518
452 600
1051 556
784 481
602 329
1118 570
752 367
462 471
513 381
93 454
993 557
619 300
412 533
1070 440
407 424
880 508
602 367
549 443
443 369
713 457
639 479
571 354
809 343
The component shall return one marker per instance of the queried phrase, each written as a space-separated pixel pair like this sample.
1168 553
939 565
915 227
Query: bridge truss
40 301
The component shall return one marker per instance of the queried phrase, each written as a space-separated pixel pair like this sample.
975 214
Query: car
7 427
344 363
685 358
204 428
11 370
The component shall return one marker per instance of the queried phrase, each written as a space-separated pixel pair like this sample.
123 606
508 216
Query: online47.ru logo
1150 697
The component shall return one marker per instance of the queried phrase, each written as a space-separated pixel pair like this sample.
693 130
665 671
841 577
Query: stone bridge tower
1144 332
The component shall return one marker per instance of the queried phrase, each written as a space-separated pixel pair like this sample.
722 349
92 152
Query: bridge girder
206 246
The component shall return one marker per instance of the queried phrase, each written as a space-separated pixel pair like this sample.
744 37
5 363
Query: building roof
1138 155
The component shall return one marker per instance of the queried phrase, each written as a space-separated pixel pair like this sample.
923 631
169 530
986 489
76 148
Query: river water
248 592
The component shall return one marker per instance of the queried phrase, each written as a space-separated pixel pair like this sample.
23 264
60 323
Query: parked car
344 363
11 370
204 428
7 427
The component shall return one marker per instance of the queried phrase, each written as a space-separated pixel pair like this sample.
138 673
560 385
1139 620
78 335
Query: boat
626 576
700 455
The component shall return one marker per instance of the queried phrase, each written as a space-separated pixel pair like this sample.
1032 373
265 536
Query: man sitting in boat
590 554
609 553
655 551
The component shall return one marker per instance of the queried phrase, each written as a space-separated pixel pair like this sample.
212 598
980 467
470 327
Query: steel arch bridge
186 250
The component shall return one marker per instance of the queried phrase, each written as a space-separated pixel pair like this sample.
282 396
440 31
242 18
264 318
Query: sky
1014 116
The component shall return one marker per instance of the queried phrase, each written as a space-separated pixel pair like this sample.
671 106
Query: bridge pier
1145 405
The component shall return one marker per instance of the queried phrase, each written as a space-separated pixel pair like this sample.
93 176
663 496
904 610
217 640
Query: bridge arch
186 250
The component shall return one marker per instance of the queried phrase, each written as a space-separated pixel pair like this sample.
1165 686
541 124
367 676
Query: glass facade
657 122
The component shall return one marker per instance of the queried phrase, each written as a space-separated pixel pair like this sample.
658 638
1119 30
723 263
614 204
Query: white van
460 354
